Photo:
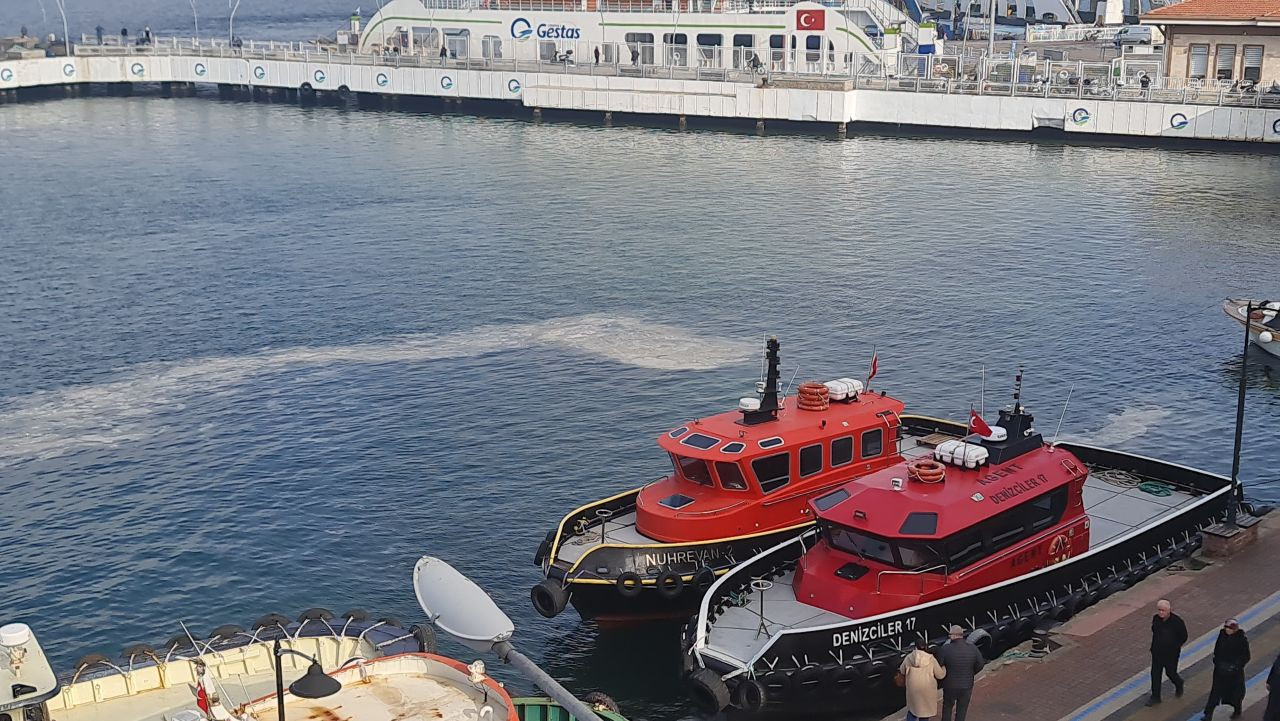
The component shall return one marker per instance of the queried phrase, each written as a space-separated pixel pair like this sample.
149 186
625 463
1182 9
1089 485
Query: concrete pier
1099 665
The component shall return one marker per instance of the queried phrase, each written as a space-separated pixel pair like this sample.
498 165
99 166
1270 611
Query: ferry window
872 443
829 501
742 40
609 53
692 469
640 47
842 451
697 440
810 460
1030 12
710 40
860 544
457 40
1047 510
964 549
491 45
772 472
731 476
776 42
547 50
734 447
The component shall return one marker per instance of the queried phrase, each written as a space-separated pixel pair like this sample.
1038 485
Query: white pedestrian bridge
903 90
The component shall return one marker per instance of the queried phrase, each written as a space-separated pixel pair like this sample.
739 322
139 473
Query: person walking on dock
1230 656
920 675
124 36
1272 713
962 661
1168 633
99 31
444 52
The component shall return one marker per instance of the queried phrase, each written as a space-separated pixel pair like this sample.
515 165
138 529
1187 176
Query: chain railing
942 74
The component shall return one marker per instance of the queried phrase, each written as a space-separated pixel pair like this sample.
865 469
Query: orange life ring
813 396
926 470
1059 548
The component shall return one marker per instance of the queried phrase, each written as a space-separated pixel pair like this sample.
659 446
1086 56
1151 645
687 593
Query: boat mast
1233 503
768 409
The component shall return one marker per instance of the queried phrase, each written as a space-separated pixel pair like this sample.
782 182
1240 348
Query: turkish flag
202 699
811 20
977 425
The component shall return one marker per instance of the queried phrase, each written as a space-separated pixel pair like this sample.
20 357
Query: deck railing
943 74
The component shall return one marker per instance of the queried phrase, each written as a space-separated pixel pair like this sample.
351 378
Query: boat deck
618 530
1113 501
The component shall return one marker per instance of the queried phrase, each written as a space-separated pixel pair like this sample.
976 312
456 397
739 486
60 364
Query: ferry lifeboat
995 531
1263 319
741 482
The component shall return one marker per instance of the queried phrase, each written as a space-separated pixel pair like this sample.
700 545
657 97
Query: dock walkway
1101 672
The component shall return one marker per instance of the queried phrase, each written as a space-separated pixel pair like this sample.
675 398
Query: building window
1252 63
1198 62
772 472
1224 66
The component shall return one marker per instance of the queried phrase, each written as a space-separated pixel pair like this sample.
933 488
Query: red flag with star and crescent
977 425
875 365
811 20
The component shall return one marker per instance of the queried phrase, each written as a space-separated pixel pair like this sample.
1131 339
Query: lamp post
66 32
196 17
315 683
231 21
1233 503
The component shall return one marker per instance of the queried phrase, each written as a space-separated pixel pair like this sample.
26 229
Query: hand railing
917 572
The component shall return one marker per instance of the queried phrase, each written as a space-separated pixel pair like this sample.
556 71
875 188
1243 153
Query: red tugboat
741 482
994 530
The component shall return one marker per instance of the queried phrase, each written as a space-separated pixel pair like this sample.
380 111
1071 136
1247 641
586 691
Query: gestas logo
522 28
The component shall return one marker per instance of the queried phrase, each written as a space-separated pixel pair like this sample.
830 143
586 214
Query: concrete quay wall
822 101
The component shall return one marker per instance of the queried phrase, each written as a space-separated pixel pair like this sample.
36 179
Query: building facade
1221 41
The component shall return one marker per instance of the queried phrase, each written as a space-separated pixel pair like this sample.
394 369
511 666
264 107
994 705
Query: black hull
850 666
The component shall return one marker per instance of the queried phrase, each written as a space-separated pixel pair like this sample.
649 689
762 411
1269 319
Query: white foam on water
53 423
1124 426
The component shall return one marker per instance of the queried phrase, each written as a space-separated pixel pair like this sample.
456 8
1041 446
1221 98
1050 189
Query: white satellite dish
458 606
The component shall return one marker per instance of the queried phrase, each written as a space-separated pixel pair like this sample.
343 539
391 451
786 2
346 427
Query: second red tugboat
741 482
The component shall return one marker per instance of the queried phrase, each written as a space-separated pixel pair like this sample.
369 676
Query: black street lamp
1233 504
315 683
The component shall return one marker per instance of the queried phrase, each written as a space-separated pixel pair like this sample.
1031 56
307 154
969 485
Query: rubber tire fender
601 700
315 614
226 631
806 678
271 620
549 598
544 548
749 695
775 680
844 680
704 578
670 584
426 638
708 690
630 585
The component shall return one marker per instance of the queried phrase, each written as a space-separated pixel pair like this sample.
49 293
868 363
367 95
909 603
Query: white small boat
1263 321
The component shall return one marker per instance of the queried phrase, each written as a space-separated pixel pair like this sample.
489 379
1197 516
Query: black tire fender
704 578
670 584
749 695
549 598
426 638
315 614
708 690
806 678
271 620
845 680
229 630
600 700
775 682
630 585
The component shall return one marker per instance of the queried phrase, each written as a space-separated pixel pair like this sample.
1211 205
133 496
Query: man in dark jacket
1230 656
1168 633
1273 693
963 661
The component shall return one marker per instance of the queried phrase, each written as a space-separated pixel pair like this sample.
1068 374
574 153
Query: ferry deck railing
941 74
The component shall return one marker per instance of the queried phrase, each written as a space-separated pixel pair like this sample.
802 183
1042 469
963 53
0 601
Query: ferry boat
988 528
1263 321
835 36
378 670
741 482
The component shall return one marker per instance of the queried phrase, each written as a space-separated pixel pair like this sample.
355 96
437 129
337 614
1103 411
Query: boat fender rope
629 584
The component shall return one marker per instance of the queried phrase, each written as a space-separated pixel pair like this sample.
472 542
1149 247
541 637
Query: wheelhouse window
700 441
842 451
863 545
772 472
1047 510
872 443
692 469
810 460
731 477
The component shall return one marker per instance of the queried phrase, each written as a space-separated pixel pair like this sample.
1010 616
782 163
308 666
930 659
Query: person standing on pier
99 31
1230 656
1168 633
124 36
920 675
962 661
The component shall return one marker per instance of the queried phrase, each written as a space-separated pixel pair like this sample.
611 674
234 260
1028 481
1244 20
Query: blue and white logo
1080 116
68 70
319 76
201 69
446 82
383 80
521 29
259 72
6 75
1178 121
514 86
138 70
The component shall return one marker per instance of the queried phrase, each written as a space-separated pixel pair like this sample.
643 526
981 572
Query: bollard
1039 643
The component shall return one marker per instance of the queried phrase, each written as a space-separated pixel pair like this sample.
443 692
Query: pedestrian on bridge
98 31
1168 633
1230 656
962 661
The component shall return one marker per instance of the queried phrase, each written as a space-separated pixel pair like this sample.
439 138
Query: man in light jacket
963 661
